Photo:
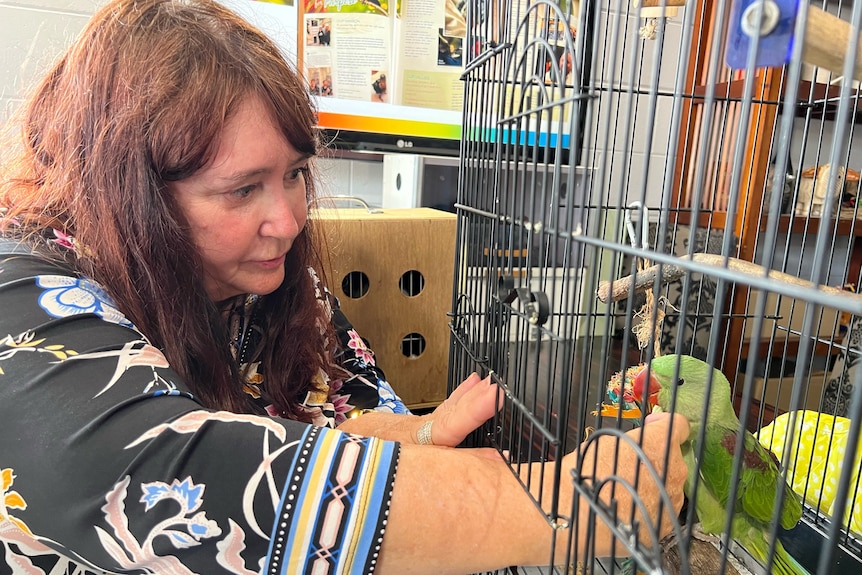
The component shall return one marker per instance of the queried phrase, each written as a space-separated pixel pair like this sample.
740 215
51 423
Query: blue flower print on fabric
66 296
184 529
186 493
388 398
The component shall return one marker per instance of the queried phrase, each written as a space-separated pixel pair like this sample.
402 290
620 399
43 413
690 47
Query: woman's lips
273 263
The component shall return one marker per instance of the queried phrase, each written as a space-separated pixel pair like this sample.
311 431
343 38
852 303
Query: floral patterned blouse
329 401
109 464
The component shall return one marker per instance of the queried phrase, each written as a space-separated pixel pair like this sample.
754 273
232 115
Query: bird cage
651 178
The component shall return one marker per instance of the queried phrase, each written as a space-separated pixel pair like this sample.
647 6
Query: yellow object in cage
816 459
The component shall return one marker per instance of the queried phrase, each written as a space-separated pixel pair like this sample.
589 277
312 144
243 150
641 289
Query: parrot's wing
759 477
791 511
710 512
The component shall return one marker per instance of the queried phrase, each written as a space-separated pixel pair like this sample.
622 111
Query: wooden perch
827 39
644 280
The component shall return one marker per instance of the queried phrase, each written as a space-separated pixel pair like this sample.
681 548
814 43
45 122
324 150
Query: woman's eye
243 192
298 172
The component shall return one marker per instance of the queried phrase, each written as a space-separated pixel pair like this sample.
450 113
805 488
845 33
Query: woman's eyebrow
238 176
242 175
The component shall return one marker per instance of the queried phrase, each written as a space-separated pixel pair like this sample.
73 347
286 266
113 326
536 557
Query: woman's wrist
414 429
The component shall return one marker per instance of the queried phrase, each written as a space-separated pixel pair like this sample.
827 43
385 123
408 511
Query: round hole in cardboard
412 283
355 284
413 345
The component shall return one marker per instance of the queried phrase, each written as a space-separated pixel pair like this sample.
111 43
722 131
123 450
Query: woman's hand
470 405
608 456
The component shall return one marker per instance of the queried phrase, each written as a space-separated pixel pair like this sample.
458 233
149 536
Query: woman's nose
284 218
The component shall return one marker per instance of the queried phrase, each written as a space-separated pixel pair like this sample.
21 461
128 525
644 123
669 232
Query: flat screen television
330 42
345 48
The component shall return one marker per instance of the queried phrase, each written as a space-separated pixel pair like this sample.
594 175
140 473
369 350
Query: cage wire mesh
648 178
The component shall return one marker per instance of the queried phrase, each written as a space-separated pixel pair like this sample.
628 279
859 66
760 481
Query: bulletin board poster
388 62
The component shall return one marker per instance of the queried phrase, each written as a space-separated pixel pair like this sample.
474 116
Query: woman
164 344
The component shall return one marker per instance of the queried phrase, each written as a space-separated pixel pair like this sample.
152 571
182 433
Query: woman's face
247 205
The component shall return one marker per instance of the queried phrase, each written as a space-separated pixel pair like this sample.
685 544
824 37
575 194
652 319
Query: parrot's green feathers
702 394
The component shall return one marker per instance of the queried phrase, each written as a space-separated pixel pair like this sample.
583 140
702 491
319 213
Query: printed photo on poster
449 50
456 18
378 85
314 6
318 31
320 81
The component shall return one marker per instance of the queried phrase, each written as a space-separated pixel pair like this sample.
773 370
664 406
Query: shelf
822 98
724 91
786 345
811 225
786 222
706 219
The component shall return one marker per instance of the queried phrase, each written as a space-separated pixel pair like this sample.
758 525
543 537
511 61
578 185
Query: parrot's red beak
644 389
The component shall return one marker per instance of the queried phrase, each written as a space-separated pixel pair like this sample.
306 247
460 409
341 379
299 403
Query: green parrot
759 476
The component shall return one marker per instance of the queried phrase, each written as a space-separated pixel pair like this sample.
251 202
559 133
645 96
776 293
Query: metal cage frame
614 204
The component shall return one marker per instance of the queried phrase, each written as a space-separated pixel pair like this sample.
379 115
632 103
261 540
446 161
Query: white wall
32 34
636 167
351 177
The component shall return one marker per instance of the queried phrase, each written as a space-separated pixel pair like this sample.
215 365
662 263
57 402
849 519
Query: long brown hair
138 101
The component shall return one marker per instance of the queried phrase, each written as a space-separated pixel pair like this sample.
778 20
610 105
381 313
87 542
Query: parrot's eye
680 381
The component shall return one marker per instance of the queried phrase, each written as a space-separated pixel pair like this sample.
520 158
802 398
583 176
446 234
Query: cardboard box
392 272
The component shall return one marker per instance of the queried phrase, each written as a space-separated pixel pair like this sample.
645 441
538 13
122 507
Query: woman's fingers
613 463
463 388
664 433
678 425
470 405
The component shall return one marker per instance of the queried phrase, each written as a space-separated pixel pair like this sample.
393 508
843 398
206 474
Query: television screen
386 75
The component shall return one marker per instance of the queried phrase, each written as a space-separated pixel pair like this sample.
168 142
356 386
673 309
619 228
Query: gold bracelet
423 434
